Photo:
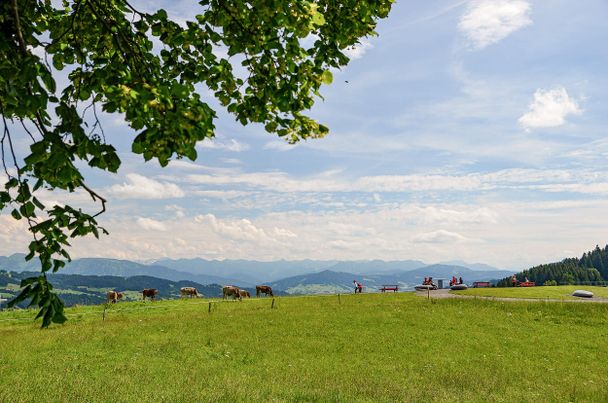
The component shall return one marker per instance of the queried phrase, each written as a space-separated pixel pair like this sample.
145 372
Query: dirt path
445 293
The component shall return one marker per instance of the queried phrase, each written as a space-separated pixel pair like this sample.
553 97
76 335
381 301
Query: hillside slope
89 290
329 281
591 267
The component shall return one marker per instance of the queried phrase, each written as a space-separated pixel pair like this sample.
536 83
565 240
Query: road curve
445 293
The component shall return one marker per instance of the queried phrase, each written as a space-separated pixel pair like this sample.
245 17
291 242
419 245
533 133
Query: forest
591 268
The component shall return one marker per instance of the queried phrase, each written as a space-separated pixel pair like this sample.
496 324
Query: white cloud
177 210
221 194
510 233
150 224
279 145
489 21
141 187
439 236
358 51
185 165
549 109
232 161
585 188
230 145
243 229
517 178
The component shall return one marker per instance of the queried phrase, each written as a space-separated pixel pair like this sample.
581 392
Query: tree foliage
589 269
153 71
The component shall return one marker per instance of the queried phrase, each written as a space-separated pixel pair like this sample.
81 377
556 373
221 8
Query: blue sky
471 130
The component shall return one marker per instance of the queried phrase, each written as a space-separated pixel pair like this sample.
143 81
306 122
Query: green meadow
549 292
370 347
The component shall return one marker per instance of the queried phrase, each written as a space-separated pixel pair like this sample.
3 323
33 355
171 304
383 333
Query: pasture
549 292
380 347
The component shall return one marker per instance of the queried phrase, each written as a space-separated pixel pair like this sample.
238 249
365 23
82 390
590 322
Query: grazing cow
229 290
113 296
189 291
263 289
150 293
243 293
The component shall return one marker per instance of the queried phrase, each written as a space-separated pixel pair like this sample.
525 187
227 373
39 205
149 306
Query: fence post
209 307
272 306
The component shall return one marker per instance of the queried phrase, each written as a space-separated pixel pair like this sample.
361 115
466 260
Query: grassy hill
330 282
87 290
548 292
374 347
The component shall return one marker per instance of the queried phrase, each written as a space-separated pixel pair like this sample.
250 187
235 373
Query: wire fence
140 307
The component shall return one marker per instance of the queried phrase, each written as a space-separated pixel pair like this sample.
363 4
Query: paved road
445 293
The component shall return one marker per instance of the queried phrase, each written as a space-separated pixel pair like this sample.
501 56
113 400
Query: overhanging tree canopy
150 68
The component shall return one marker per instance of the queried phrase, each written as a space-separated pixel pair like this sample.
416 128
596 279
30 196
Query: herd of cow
227 291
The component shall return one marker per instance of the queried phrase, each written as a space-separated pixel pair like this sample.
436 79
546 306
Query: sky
470 130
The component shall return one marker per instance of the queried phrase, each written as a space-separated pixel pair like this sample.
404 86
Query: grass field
549 292
380 347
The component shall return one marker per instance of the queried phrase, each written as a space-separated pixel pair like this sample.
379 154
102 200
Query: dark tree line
592 267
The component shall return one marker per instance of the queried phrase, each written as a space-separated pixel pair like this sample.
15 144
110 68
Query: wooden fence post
339 300
209 307
272 306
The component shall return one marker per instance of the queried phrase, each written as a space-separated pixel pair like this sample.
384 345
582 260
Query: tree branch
95 196
18 32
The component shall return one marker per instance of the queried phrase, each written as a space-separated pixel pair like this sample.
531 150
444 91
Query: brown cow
229 290
113 296
150 292
263 289
189 291
243 293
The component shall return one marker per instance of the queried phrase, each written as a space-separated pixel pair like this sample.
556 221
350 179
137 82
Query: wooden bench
527 284
389 287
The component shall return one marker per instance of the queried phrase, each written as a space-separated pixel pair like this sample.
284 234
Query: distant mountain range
120 268
302 276
259 272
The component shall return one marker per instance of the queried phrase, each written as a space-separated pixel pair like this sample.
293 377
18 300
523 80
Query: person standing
356 286
360 286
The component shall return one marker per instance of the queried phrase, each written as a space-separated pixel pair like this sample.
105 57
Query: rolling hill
329 281
89 290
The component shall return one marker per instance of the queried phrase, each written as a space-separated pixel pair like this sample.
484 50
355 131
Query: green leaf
16 214
58 61
318 18
327 78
